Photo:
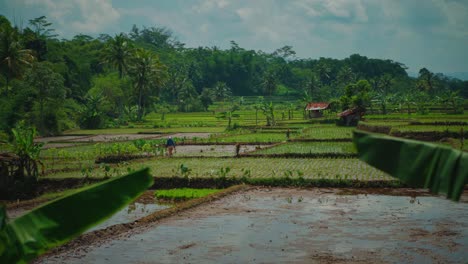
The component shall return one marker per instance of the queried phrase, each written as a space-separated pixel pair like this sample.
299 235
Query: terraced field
352 169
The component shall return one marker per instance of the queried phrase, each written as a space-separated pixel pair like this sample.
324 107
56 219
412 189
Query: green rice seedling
288 173
246 173
183 171
223 172
184 193
299 173
86 171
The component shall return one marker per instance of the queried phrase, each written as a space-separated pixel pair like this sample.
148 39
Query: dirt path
119 137
295 225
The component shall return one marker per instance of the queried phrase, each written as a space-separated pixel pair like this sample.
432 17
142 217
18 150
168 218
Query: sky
417 33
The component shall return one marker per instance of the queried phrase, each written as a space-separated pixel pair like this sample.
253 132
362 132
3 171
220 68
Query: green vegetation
440 169
326 132
310 147
239 114
259 168
183 194
57 222
140 80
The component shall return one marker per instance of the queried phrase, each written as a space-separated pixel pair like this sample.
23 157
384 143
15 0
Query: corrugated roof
351 111
317 106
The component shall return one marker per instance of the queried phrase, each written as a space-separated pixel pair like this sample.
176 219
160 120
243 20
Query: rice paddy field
306 224
315 148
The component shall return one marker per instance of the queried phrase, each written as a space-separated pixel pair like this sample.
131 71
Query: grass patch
183 194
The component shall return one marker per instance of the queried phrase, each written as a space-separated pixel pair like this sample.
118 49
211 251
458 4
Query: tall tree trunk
140 103
41 116
7 83
256 117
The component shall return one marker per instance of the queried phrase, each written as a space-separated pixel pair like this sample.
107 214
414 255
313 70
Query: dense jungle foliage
57 84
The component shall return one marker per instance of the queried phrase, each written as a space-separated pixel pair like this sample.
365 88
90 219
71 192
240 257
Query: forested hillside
57 84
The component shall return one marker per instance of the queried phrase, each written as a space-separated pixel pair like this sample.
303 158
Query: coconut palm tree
148 75
269 83
13 58
221 91
117 53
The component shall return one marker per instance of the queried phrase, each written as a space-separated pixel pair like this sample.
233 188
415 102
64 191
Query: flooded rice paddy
129 214
295 225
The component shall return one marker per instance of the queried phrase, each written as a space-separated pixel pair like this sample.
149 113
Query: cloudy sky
418 33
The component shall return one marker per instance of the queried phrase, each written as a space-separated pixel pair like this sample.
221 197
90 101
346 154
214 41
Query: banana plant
57 222
419 164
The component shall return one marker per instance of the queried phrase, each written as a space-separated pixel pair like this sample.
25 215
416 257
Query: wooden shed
351 117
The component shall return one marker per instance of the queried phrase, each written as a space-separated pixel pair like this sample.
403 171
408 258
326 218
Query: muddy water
300 226
211 150
129 214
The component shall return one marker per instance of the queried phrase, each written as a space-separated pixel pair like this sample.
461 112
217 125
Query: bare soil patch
289 225
118 137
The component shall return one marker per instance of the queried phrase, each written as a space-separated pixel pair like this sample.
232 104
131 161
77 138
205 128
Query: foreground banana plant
419 164
61 220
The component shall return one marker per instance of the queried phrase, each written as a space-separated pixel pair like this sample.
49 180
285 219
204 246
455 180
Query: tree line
92 82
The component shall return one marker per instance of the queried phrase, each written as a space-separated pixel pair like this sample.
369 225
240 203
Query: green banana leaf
61 220
418 164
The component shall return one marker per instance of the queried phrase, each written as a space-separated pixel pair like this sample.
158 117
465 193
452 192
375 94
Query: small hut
316 109
351 117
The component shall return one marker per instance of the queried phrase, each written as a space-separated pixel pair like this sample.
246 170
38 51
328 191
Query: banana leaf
419 164
61 220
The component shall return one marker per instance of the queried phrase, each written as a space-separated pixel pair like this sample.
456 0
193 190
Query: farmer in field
170 146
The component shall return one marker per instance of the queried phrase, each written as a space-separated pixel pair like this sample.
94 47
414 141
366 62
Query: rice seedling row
349 169
310 147
325 132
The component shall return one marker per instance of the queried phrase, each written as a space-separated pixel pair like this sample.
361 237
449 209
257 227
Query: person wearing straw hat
170 146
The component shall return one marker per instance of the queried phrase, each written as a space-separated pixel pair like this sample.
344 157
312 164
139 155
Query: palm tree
117 53
258 106
148 74
185 96
269 83
452 99
381 90
426 80
221 91
312 86
229 114
323 71
346 75
407 100
13 58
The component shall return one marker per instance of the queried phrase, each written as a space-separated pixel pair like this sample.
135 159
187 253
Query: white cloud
204 28
206 6
244 13
417 33
83 16
348 9
96 15
56 9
